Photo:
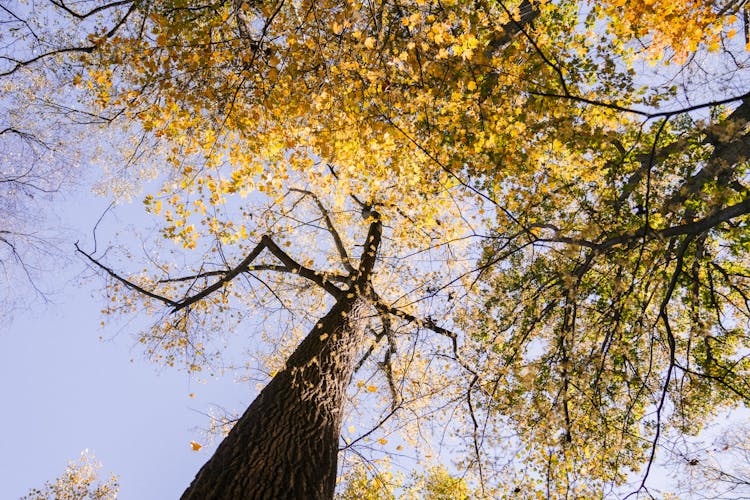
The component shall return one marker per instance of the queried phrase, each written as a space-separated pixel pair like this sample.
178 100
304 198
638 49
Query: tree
23 245
29 175
715 469
288 389
585 222
79 482
37 167
287 441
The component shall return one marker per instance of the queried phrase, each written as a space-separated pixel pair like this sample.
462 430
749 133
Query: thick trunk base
285 446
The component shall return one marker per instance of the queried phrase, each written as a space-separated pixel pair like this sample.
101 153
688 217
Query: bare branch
293 266
61 4
229 276
65 50
664 316
266 242
255 267
475 431
125 281
331 229
22 21
647 115
424 323
376 427
370 251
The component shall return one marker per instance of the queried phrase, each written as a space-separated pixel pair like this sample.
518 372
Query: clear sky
65 390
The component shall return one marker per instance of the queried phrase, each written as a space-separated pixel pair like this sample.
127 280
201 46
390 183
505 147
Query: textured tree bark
285 445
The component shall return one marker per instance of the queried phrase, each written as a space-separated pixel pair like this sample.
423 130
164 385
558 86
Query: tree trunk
285 446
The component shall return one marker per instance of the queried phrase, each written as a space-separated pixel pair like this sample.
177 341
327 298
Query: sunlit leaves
80 481
673 29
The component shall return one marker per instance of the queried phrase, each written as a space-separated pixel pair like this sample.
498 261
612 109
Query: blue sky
65 390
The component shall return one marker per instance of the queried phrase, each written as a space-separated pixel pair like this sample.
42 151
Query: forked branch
331 228
224 277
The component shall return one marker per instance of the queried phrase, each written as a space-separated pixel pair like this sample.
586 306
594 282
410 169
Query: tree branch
126 282
331 229
61 4
646 114
293 266
85 49
290 266
229 276
370 251
691 228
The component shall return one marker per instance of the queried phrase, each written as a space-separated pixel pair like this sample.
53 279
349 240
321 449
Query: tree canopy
562 279
80 481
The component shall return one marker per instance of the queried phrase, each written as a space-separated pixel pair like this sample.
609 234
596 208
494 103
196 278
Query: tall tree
292 165
582 223
286 443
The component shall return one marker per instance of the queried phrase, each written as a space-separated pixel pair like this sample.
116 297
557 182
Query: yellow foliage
80 481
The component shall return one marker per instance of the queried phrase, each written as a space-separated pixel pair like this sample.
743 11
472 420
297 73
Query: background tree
609 298
713 469
26 183
628 282
79 482
40 119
